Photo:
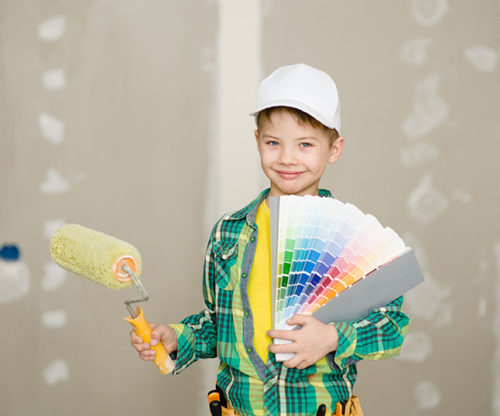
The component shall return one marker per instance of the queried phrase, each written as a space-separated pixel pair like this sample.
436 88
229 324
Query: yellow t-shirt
259 284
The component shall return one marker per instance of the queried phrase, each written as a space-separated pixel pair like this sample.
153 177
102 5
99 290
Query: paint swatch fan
332 261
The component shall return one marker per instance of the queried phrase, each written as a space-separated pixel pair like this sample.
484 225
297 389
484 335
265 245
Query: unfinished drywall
124 116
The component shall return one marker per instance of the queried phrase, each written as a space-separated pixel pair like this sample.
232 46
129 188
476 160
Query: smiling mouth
288 175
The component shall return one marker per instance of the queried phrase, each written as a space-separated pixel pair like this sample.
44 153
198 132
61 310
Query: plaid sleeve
197 334
376 336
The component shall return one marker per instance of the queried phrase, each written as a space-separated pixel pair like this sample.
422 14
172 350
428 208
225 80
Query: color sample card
321 248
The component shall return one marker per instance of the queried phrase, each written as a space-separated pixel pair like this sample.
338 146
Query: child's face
294 156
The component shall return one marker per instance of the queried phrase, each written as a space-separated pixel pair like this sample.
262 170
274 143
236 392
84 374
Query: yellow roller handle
143 330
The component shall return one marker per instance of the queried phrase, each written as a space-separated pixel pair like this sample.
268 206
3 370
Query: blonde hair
299 116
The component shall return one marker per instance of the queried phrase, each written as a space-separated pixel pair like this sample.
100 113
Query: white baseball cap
305 88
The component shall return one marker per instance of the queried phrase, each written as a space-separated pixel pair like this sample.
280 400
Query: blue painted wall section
9 252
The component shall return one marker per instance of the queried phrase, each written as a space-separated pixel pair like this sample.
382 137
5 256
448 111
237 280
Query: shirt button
252 239
244 275
249 350
269 384
246 314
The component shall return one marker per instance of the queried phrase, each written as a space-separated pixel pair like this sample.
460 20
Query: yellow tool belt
351 408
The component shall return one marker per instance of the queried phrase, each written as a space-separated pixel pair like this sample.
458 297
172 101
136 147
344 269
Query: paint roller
112 263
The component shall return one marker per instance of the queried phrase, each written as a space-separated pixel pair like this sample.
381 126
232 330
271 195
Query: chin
293 190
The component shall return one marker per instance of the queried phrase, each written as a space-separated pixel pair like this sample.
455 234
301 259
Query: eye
306 145
272 143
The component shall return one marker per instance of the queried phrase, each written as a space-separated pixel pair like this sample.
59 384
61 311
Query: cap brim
299 106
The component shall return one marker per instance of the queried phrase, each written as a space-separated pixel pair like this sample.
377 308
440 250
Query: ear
257 138
336 149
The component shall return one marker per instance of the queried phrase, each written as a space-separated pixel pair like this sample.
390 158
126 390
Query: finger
303 364
293 362
282 334
289 347
139 344
148 355
299 319
134 338
155 338
141 347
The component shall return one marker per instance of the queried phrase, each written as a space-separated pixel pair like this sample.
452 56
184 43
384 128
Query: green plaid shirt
225 329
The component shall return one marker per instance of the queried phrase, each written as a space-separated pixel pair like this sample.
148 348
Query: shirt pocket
225 255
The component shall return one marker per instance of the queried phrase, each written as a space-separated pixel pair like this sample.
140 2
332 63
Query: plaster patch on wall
417 347
418 154
426 203
55 319
481 57
54 277
14 280
55 372
52 29
51 226
428 300
414 52
429 12
51 128
54 79
427 395
54 183
429 109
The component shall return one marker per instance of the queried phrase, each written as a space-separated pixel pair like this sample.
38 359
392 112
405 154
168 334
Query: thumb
298 319
155 338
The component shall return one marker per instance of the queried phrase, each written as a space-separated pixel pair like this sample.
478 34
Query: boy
297 135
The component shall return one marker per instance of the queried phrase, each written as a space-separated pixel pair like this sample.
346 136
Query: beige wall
114 114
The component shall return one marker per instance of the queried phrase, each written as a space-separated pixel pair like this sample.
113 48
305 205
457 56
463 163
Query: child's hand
310 343
164 333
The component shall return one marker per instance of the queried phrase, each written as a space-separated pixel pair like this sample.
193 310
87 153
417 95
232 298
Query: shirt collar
250 211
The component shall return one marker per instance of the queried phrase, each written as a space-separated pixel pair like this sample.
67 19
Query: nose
287 156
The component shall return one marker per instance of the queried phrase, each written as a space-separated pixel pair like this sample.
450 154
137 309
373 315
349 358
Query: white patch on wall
496 331
54 79
429 109
14 280
428 300
427 395
417 347
55 319
54 183
418 154
426 202
482 58
56 372
429 12
53 278
51 128
414 52
52 29
51 226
